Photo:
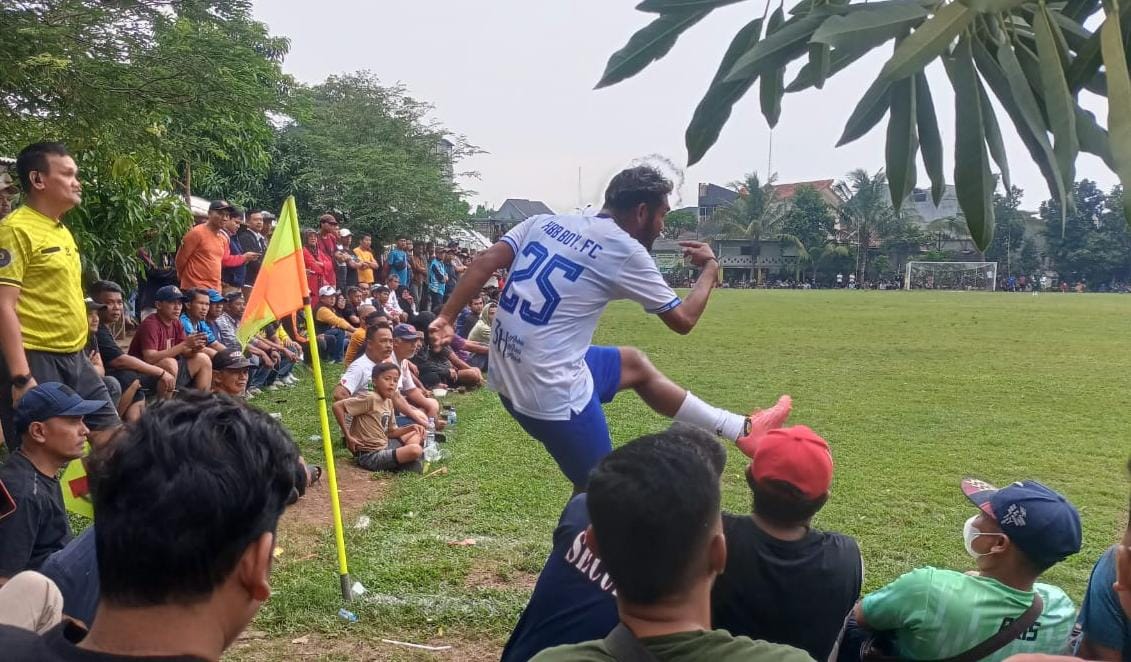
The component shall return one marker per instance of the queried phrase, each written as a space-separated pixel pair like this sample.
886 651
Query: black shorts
127 377
72 369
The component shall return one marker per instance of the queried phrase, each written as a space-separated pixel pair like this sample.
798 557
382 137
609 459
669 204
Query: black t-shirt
59 645
434 367
786 592
39 526
108 348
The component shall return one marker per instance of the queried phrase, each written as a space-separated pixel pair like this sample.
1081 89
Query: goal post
961 276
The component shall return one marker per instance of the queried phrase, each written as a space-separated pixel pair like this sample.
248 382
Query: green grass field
913 391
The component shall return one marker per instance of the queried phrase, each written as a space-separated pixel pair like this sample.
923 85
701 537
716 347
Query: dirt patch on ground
486 573
312 514
255 646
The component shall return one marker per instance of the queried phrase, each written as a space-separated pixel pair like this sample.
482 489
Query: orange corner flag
281 285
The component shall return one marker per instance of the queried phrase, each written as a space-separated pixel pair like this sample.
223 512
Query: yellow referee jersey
39 256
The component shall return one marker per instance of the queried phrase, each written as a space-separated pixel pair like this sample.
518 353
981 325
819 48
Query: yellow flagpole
327 447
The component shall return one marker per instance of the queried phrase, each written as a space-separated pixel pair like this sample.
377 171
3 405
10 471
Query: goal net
967 276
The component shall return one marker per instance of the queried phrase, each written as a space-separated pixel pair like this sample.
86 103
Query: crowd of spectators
645 564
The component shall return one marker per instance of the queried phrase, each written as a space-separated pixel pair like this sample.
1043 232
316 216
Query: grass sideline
913 391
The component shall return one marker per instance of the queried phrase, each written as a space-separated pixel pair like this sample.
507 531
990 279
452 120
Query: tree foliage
368 152
679 221
1095 244
1034 57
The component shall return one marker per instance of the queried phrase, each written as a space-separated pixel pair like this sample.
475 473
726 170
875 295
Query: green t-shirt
935 614
714 645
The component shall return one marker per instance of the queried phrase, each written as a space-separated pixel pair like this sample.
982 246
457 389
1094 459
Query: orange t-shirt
199 258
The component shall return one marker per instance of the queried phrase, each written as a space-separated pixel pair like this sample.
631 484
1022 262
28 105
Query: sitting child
373 436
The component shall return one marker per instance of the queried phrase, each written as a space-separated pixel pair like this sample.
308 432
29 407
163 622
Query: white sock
719 421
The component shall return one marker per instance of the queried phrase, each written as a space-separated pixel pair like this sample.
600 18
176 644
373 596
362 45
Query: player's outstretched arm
470 283
683 318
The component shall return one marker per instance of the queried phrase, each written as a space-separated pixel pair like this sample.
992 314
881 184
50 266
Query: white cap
344 232
327 291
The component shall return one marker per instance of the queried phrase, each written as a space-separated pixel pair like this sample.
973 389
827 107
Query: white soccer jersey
565 271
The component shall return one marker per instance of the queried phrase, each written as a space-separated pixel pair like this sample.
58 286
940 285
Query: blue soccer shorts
577 445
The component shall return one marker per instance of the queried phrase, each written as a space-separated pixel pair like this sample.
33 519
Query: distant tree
483 212
867 215
809 217
1095 245
1009 233
679 221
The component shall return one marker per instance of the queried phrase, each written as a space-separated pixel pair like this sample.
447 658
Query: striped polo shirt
39 256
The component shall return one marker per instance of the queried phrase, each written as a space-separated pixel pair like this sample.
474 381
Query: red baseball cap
794 455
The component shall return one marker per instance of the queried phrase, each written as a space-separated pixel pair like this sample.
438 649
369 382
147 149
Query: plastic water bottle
347 615
451 417
431 450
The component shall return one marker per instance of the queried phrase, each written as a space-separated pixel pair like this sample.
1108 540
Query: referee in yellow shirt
43 319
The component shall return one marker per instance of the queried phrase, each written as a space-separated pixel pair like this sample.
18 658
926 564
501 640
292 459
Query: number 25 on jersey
541 270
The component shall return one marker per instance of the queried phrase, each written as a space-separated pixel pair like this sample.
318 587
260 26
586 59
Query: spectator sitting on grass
351 312
378 349
194 318
481 332
1105 616
776 562
653 508
1023 529
49 421
469 316
188 503
374 438
161 341
127 398
392 304
441 368
406 342
331 328
156 380
369 317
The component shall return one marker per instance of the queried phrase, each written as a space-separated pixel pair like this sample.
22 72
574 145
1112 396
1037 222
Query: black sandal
315 476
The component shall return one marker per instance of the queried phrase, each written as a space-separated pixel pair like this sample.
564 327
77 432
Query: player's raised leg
672 400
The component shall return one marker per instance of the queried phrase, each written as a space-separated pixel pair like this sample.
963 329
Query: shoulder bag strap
1004 636
625 647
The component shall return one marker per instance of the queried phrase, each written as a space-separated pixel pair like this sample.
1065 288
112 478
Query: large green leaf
649 44
993 136
777 49
902 141
714 109
772 83
992 6
973 181
1059 103
670 6
929 41
1078 10
930 142
820 60
838 60
868 112
1013 90
1094 139
1119 101
869 26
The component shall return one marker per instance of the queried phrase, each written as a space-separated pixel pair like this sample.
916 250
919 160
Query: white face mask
969 532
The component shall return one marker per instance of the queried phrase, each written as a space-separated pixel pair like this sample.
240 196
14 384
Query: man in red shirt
328 240
205 250
161 341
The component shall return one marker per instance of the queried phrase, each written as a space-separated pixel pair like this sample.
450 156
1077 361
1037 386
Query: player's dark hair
193 292
382 368
182 492
372 329
33 158
782 503
631 187
100 287
653 504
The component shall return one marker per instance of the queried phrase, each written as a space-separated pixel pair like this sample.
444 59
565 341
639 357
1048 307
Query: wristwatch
20 381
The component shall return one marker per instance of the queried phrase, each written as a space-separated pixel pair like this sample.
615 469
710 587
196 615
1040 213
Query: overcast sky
516 77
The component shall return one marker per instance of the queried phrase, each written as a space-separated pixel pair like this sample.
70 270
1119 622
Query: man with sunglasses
329 236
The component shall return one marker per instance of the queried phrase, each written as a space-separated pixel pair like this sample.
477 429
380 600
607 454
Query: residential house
512 212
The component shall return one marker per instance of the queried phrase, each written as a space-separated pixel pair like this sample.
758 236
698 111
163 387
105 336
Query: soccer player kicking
563 271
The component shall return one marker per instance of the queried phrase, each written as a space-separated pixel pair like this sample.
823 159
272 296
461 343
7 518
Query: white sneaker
291 380
273 387
252 392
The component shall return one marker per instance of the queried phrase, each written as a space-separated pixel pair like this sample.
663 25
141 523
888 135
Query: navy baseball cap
215 297
221 205
51 399
170 293
1041 522
406 332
